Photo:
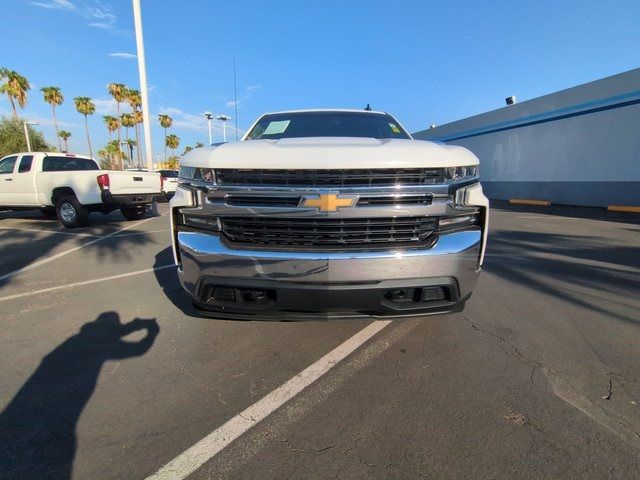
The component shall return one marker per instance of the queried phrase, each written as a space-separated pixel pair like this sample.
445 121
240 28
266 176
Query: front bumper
232 280
327 284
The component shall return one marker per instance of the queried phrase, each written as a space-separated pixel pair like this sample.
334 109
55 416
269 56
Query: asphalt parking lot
108 373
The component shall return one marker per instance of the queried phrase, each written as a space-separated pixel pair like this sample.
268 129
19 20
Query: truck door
7 166
23 186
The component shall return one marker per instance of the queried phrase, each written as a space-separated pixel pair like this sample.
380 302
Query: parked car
71 186
169 180
329 213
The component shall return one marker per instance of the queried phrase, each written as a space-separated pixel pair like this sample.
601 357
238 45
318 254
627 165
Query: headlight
198 177
462 173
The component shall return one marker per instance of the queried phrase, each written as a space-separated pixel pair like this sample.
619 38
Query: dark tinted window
64 164
25 163
327 124
168 173
7 164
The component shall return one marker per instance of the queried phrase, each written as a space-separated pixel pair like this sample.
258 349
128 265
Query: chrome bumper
206 259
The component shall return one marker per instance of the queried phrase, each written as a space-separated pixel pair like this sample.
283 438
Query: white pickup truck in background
71 186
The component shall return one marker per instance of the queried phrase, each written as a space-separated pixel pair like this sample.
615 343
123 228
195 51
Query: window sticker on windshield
276 127
394 127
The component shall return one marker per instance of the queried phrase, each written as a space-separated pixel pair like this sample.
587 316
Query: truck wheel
48 211
70 212
133 213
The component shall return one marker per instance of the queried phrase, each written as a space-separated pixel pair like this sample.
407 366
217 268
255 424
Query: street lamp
209 117
26 133
223 119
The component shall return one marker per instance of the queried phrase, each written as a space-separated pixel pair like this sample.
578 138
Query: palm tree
134 100
118 92
131 143
86 107
64 135
165 122
53 96
127 120
112 124
16 87
172 141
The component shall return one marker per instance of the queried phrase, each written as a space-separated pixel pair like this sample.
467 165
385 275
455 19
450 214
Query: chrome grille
330 178
241 200
328 232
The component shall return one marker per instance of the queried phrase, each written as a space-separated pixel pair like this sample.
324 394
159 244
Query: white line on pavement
71 250
141 233
86 282
194 457
48 231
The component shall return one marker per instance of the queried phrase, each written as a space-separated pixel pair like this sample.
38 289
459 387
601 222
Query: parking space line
71 250
86 282
194 457
40 230
141 233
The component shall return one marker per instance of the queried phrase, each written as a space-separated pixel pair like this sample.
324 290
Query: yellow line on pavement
623 208
526 201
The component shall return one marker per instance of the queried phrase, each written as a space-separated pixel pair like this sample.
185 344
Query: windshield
327 124
57 164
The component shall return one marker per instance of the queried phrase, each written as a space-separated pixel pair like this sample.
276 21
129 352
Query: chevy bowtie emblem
328 202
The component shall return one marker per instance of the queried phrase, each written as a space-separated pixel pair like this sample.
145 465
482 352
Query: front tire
70 212
133 213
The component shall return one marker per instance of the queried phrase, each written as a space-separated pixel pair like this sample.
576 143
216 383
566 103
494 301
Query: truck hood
329 153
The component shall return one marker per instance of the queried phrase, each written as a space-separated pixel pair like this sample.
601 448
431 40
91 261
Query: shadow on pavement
587 213
21 248
38 427
168 280
582 270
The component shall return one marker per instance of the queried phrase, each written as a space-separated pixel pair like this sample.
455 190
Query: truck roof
349 110
58 154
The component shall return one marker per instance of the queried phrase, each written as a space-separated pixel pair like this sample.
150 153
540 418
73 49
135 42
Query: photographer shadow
38 427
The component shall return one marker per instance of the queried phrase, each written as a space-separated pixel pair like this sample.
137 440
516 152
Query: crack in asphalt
562 388
610 393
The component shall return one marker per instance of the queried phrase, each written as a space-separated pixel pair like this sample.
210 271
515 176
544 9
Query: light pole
142 71
223 119
209 117
26 133
146 114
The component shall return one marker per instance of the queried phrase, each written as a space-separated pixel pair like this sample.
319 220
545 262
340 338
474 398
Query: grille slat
330 178
328 232
239 200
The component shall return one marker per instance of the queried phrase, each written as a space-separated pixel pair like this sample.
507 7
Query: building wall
579 146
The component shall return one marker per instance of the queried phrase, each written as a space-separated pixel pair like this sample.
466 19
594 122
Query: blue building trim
619 101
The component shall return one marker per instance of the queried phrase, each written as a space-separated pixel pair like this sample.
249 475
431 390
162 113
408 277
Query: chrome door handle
8 179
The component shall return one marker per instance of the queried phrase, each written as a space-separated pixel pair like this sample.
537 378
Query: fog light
400 294
461 220
210 223
430 294
257 295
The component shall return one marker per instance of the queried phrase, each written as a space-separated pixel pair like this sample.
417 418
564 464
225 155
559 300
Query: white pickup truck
71 186
329 214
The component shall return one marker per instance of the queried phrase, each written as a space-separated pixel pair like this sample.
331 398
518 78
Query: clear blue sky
424 61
